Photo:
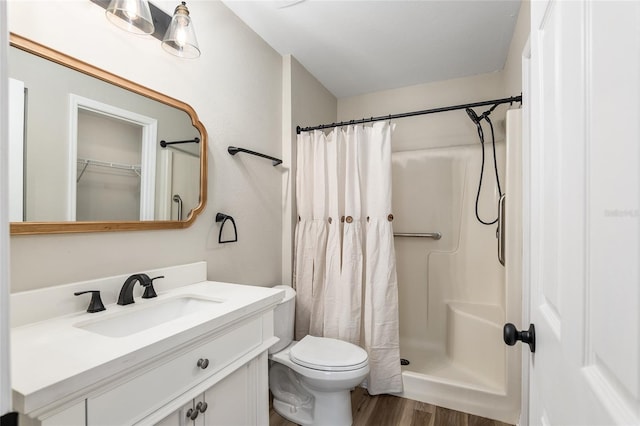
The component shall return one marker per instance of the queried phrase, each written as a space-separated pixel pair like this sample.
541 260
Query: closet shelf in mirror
88 162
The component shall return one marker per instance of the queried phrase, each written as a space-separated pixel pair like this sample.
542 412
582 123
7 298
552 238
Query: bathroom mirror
86 151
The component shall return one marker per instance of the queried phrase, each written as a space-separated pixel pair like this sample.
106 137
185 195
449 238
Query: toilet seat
326 354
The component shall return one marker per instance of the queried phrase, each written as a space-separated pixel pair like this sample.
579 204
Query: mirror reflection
91 149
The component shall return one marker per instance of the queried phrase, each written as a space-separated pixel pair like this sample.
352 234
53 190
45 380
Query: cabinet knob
203 363
192 414
202 406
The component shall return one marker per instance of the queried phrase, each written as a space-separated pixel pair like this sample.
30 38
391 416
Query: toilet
311 379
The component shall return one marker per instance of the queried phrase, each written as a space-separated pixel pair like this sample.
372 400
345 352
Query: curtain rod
510 100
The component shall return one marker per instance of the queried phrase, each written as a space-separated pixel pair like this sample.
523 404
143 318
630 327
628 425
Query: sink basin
150 315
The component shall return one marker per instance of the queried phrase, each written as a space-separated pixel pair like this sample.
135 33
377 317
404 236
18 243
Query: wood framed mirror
86 151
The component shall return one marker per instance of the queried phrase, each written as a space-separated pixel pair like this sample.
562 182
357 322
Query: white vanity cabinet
219 382
214 373
213 362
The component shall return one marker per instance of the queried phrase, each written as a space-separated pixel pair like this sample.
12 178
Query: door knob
511 335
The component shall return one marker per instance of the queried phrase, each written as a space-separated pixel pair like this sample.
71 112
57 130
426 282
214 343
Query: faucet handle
95 305
147 283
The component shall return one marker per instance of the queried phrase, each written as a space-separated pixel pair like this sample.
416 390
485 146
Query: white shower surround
454 295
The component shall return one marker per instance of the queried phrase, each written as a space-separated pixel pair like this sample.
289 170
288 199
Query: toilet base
299 415
328 409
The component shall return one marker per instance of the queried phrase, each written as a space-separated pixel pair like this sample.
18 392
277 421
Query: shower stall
459 279
454 293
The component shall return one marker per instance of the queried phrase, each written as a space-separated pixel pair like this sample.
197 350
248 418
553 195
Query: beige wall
513 66
236 89
306 102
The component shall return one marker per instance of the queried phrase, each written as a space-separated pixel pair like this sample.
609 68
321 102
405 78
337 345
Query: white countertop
52 359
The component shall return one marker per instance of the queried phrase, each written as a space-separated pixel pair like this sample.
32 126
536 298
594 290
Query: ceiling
361 46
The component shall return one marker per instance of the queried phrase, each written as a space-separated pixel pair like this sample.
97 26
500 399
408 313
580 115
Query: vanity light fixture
180 38
131 15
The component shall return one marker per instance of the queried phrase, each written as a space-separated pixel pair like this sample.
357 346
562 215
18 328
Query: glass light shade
180 38
131 15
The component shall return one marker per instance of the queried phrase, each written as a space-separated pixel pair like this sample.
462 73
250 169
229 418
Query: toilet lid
322 353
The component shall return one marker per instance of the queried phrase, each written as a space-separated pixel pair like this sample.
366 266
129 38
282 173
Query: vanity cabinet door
240 399
230 402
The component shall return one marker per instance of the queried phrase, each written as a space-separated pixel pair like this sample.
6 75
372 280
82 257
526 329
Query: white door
5 376
582 251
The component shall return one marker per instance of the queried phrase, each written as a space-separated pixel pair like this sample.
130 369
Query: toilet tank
283 318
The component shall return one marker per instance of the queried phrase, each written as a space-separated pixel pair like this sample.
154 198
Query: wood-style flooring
388 410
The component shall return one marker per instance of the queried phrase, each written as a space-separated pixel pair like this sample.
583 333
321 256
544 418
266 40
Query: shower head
177 199
473 116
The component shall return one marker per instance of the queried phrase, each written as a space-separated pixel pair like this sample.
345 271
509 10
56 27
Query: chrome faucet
126 293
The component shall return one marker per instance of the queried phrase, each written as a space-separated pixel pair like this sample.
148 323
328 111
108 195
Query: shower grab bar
500 231
178 199
434 235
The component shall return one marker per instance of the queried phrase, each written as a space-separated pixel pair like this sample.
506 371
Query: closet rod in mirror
164 144
496 102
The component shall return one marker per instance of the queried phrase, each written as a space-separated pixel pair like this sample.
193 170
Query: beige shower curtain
345 273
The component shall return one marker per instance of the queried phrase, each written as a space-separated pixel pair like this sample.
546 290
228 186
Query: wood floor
388 410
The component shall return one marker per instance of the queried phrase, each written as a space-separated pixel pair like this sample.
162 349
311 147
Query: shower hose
495 162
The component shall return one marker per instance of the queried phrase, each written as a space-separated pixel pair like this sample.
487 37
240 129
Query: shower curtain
345 271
